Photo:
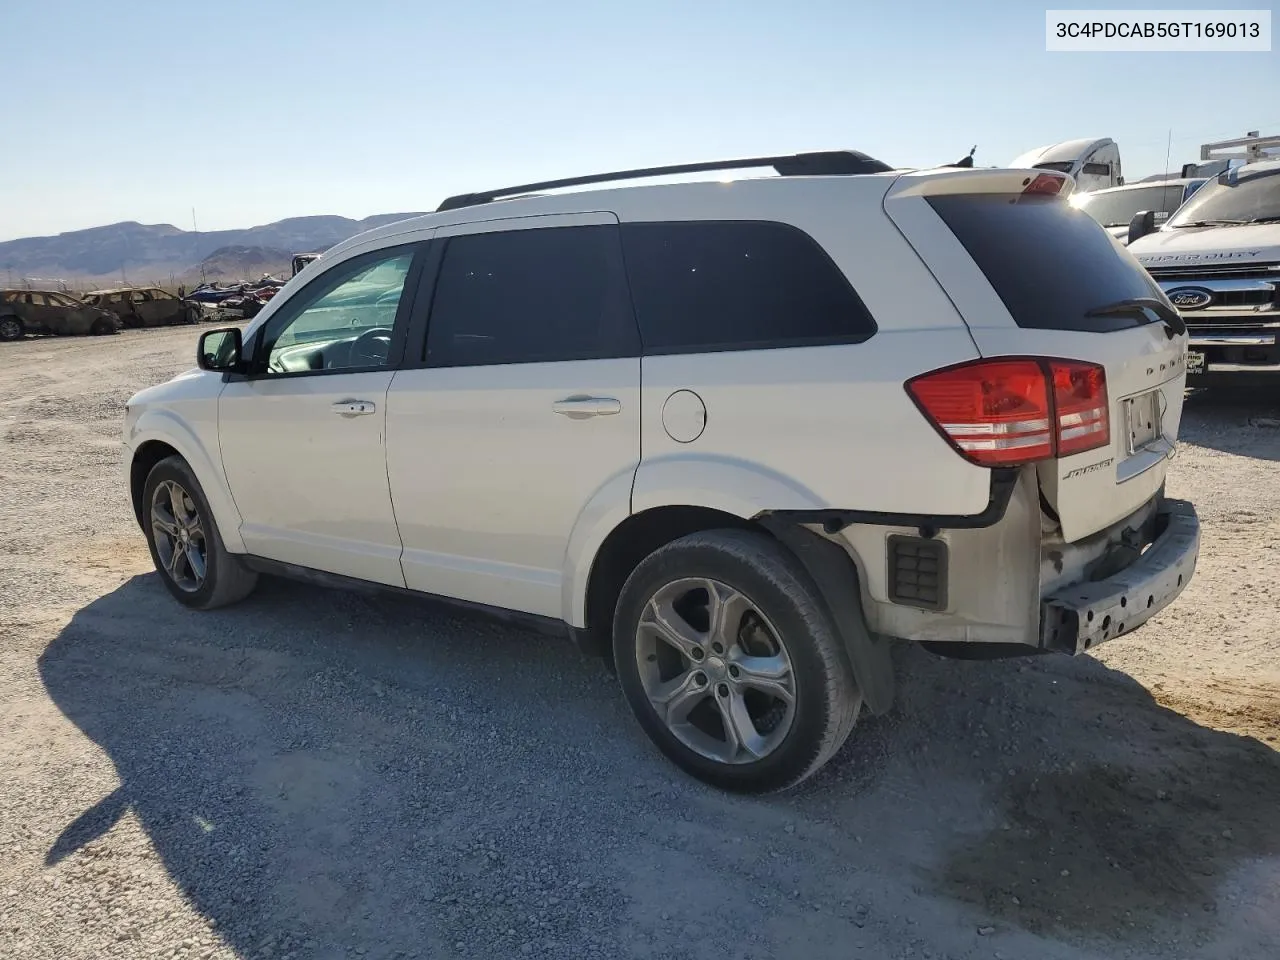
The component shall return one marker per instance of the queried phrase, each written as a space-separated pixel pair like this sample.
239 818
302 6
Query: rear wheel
731 663
185 544
10 329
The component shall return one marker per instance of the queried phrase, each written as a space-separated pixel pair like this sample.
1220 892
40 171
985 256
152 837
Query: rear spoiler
951 180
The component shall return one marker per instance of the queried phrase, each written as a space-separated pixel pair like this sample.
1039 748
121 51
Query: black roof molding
821 164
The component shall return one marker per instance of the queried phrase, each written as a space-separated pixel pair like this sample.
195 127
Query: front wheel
731 663
102 327
10 329
185 544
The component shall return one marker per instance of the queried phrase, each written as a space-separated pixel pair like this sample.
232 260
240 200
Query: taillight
1046 183
1080 403
1005 412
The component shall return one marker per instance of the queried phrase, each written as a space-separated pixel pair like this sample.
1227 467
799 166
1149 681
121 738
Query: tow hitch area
1083 615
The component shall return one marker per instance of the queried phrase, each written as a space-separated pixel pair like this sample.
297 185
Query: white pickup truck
1218 260
1116 207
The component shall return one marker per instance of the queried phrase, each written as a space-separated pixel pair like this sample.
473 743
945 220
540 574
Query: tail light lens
1005 412
1080 403
1046 183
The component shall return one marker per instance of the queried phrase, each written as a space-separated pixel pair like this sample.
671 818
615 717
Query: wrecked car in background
144 306
214 292
48 311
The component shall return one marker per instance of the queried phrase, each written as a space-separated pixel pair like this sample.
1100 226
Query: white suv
737 436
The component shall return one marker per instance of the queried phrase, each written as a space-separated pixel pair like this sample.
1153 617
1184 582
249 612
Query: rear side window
703 286
1050 263
528 296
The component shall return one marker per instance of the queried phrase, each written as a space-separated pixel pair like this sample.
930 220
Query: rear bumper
1081 616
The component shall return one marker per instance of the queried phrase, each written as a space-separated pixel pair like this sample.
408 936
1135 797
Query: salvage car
144 306
738 440
49 311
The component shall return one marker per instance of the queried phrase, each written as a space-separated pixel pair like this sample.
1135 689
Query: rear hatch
1034 277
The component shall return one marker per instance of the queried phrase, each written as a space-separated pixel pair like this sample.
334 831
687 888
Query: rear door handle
579 408
354 408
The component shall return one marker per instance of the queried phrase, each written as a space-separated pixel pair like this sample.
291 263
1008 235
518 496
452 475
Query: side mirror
220 350
1143 222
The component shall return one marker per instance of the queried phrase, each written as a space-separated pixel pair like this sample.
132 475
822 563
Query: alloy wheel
178 531
715 671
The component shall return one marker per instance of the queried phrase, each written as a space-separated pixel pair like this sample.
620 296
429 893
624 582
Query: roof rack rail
823 163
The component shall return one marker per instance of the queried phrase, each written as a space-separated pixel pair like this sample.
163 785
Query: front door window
344 321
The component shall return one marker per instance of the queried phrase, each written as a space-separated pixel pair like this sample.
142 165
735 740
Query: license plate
1142 414
1195 362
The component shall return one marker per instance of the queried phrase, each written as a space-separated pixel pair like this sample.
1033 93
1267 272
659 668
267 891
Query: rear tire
10 329
730 661
186 547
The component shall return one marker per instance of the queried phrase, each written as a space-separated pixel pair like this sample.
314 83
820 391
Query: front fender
198 445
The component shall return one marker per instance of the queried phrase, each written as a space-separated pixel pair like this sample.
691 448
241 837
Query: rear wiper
1213 223
1172 320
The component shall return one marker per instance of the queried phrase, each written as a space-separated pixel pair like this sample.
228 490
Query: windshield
1242 200
1062 166
1117 209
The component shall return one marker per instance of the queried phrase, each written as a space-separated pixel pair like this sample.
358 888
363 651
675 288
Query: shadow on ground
1241 422
323 772
1132 822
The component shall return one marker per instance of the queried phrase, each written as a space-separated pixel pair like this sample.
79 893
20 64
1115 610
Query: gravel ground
320 775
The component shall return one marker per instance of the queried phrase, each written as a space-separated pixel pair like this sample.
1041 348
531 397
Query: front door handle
579 407
354 408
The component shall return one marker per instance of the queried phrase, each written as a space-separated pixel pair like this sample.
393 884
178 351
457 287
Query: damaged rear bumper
1081 616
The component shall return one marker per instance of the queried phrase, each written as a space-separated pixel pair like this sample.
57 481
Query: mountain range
155 252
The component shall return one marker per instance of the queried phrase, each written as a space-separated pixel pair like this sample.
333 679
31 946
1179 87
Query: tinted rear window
1050 263
737 285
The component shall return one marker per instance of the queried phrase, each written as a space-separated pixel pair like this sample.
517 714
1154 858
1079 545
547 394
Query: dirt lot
314 774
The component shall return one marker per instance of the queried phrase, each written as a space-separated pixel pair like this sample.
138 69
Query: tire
10 329
226 579
103 327
779 627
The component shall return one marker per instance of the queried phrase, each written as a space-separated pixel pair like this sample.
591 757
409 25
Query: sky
249 112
